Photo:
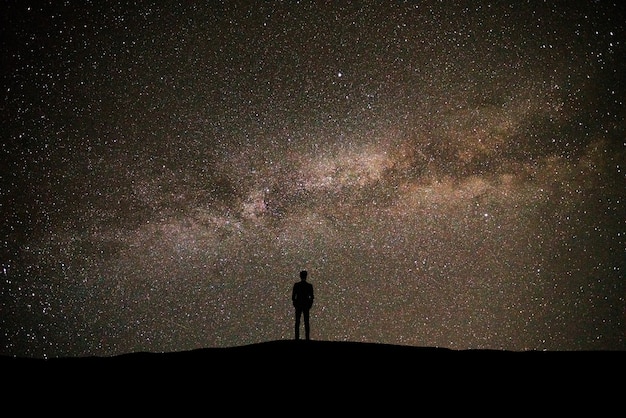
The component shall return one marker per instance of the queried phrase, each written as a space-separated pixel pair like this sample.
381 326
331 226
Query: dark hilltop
314 376
328 358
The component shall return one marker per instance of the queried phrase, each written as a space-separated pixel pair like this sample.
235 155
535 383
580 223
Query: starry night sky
450 173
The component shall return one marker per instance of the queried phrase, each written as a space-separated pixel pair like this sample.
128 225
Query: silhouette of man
302 298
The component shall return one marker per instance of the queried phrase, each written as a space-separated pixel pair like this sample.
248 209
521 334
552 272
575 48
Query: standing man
302 298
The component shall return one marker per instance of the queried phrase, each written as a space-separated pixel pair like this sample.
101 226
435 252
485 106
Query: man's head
303 275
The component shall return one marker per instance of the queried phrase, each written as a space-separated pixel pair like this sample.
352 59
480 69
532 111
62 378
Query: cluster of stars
449 175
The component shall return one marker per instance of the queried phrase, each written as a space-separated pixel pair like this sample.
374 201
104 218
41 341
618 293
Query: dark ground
326 374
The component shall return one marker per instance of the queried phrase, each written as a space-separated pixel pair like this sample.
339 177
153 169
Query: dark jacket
302 295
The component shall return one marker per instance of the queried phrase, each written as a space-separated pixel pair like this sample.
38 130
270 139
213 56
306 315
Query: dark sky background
450 173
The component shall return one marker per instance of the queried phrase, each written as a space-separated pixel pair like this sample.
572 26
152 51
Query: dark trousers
307 329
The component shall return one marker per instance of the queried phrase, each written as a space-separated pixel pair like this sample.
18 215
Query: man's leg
307 328
298 313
